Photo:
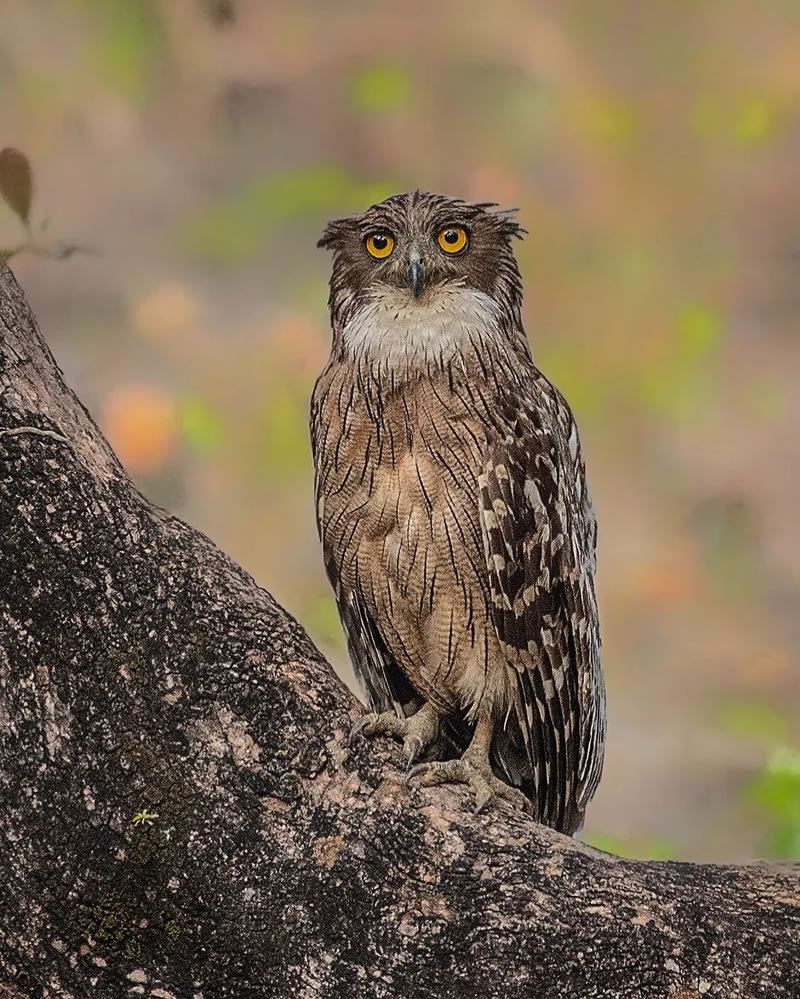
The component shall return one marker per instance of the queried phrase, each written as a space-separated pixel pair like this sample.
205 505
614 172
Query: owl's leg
474 770
417 733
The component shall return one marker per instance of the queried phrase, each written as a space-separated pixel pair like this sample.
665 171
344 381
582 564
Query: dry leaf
16 182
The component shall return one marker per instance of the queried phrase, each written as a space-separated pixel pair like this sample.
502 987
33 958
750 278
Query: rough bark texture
141 670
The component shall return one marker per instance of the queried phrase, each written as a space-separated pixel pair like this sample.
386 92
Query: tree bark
181 816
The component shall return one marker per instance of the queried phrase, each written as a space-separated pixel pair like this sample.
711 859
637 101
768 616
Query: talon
413 750
436 772
478 776
483 796
417 733
515 799
358 729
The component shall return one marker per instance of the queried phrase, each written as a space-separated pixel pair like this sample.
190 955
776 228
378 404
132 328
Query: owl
456 525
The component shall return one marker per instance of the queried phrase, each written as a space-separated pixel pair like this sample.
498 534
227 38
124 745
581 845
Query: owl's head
417 251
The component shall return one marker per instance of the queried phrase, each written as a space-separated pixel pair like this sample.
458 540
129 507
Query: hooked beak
416 274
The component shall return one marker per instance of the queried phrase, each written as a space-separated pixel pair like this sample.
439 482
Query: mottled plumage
456 525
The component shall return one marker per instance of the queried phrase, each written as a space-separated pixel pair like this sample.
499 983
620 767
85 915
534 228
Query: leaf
16 182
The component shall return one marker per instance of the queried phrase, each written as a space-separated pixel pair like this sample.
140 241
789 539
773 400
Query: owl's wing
539 535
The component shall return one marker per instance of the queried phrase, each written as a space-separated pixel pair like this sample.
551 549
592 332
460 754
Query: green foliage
284 433
699 333
754 122
130 44
608 120
680 381
381 88
757 722
322 619
200 425
775 790
749 123
575 374
636 849
240 224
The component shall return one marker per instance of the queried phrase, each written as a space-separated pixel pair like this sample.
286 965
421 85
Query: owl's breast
398 506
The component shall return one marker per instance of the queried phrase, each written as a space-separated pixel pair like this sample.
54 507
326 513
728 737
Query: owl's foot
417 733
476 772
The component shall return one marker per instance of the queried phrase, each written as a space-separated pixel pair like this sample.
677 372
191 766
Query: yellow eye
380 245
453 239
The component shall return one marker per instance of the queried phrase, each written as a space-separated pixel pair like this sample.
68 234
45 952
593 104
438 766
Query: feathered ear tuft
335 232
508 225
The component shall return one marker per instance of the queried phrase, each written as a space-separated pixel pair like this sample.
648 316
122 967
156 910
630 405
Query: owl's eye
380 245
453 239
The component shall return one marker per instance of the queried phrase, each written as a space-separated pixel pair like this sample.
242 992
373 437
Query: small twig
62 251
14 431
54 252
9 254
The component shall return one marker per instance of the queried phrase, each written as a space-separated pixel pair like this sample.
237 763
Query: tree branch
180 814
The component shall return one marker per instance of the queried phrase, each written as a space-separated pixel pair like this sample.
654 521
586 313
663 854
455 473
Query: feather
536 530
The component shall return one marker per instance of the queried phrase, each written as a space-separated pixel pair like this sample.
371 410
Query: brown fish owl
456 525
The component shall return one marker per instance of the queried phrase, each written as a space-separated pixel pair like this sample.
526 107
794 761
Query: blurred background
193 150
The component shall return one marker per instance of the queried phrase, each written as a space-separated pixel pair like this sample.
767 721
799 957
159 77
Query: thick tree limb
180 814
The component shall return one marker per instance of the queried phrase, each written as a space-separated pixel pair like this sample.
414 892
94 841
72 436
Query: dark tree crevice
180 815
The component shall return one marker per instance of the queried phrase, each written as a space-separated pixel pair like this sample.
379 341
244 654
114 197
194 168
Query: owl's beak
416 274
416 278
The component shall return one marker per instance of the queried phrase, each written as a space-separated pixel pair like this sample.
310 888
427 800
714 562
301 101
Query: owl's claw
483 796
417 733
413 748
477 775
373 724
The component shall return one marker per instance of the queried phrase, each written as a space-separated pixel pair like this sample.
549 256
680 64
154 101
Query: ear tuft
335 232
508 224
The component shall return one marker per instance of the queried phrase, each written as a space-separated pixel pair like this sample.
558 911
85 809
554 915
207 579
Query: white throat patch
399 334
